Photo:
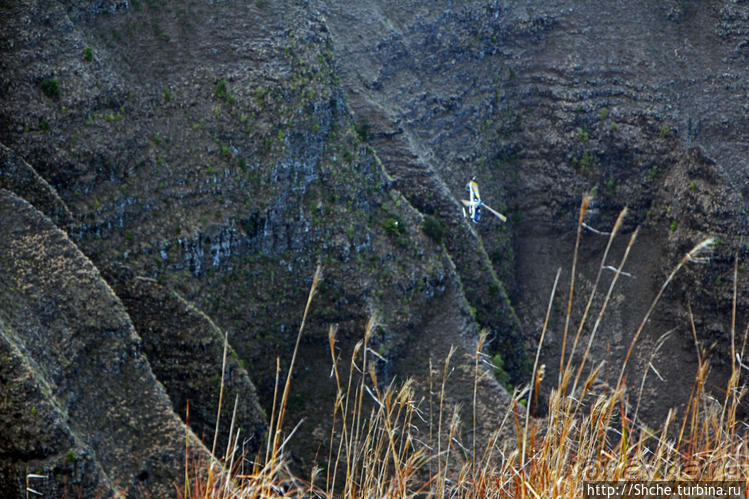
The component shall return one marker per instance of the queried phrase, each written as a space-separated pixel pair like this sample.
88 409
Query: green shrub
362 130
88 54
44 125
585 163
260 93
653 172
433 228
394 226
222 91
51 87
499 371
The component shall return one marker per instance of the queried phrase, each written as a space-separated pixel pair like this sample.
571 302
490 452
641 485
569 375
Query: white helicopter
474 203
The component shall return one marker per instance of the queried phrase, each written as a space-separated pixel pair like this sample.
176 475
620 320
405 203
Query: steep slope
20 177
185 351
209 147
82 406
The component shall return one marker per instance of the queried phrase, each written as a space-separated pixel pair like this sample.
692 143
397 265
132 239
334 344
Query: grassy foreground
382 444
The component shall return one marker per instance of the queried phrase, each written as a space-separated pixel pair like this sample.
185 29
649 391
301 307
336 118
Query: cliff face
642 105
208 156
209 162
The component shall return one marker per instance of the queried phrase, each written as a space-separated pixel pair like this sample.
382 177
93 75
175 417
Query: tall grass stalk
696 254
534 391
583 208
612 236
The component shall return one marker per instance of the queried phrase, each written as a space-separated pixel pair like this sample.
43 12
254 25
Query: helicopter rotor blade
498 214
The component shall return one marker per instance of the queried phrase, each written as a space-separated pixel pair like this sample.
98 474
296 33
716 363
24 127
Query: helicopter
474 203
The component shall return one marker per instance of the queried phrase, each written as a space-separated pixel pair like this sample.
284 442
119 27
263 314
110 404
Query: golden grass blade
583 208
287 385
476 358
218 411
618 270
605 303
535 365
696 254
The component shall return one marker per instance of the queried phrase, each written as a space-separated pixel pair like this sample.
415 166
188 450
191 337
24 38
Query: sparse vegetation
393 226
499 371
653 172
582 135
433 228
222 91
260 93
362 130
51 87
585 163
88 54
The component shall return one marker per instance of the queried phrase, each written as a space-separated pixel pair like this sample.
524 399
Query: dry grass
383 445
